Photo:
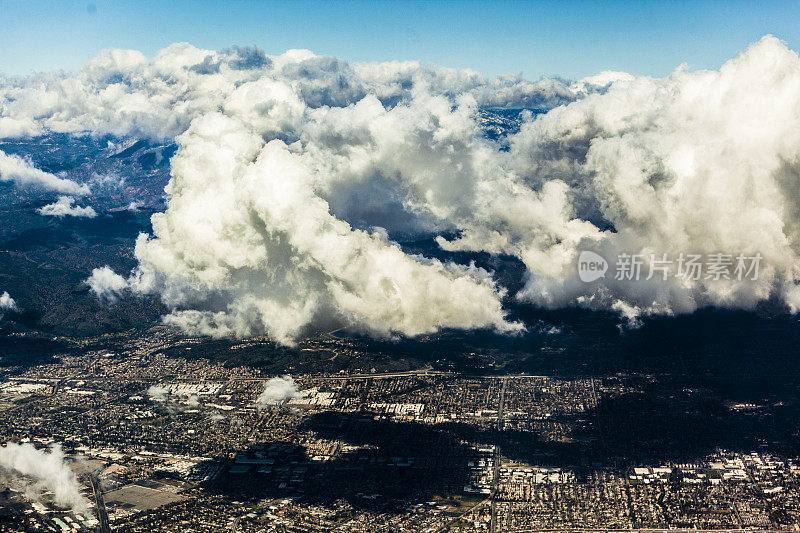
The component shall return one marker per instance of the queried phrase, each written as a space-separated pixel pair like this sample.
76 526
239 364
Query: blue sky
570 39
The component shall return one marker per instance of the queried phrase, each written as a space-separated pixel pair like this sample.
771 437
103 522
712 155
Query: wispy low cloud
65 207
156 393
47 470
278 391
22 172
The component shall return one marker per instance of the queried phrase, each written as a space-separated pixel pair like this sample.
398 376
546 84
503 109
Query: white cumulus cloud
7 303
65 207
248 236
278 391
295 172
106 284
122 92
696 163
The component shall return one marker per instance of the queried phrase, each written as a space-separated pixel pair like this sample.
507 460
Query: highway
495 471
100 504
497 457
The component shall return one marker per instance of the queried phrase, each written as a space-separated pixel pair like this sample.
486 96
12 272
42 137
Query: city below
191 444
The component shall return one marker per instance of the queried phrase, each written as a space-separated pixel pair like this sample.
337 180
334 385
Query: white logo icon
591 266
